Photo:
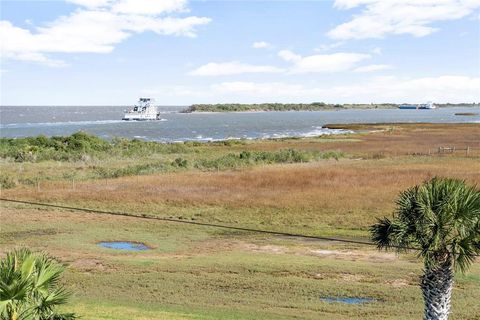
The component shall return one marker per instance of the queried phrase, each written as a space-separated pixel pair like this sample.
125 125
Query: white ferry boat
144 110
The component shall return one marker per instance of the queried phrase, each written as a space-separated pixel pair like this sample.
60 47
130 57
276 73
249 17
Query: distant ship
424 106
144 110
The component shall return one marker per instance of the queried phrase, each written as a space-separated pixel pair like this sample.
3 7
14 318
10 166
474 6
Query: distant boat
408 106
144 110
429 105
425 106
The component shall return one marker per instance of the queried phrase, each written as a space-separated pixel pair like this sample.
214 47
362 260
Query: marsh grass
205 273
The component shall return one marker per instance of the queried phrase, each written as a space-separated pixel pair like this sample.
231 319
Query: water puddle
348 300
124 245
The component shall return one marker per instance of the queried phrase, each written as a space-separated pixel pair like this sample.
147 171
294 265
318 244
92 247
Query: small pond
124 245
348 300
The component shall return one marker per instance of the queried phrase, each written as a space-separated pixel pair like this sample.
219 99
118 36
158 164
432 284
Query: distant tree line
314 106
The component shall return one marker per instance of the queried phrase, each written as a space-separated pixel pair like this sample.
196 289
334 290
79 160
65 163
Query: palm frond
30 286
440 217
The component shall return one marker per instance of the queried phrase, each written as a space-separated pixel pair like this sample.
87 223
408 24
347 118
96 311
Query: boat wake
59 123
317 131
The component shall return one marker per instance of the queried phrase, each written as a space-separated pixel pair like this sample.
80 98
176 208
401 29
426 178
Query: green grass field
198 272
207 273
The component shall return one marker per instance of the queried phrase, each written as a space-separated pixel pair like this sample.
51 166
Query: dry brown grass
394 139
347 193
336 194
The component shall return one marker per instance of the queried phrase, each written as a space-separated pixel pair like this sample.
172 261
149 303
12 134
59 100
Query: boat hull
427 106
138 119
141 117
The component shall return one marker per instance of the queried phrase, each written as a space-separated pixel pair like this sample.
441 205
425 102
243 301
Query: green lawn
205 273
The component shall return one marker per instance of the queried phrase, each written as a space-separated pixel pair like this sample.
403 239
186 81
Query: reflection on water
123 245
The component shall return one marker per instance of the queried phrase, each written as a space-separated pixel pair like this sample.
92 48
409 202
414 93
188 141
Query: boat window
135 109
144 108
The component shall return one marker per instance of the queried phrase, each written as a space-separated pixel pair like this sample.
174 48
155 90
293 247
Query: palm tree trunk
436 284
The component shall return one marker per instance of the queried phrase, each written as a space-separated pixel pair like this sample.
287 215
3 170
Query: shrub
110 173
81 146
245 158
26 154
193 143
6 182
180 163
378 155
333 154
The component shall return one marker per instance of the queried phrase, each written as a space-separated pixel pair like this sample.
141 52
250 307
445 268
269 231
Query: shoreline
322 110
256 108
287 110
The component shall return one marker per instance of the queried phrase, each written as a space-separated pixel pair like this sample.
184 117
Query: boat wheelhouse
143 110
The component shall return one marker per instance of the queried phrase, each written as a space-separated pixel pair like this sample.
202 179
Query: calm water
124 245
348 300
104 122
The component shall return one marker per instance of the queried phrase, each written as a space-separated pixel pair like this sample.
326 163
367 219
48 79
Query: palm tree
440 219
30 287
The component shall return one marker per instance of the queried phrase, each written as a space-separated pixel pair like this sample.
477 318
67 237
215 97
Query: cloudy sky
110 52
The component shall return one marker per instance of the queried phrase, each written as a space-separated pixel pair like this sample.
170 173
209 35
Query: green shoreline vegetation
314 106
143 157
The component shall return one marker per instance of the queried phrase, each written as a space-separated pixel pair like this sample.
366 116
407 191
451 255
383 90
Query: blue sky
110 52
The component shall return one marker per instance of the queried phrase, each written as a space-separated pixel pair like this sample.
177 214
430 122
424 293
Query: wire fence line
214 225
205 224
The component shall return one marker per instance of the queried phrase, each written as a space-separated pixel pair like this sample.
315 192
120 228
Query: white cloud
96 29
382 17
261 45
440 89
373 68
327 63
229 68
289 56
90 3
257 89
149 7
377 50
320 63
327 47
